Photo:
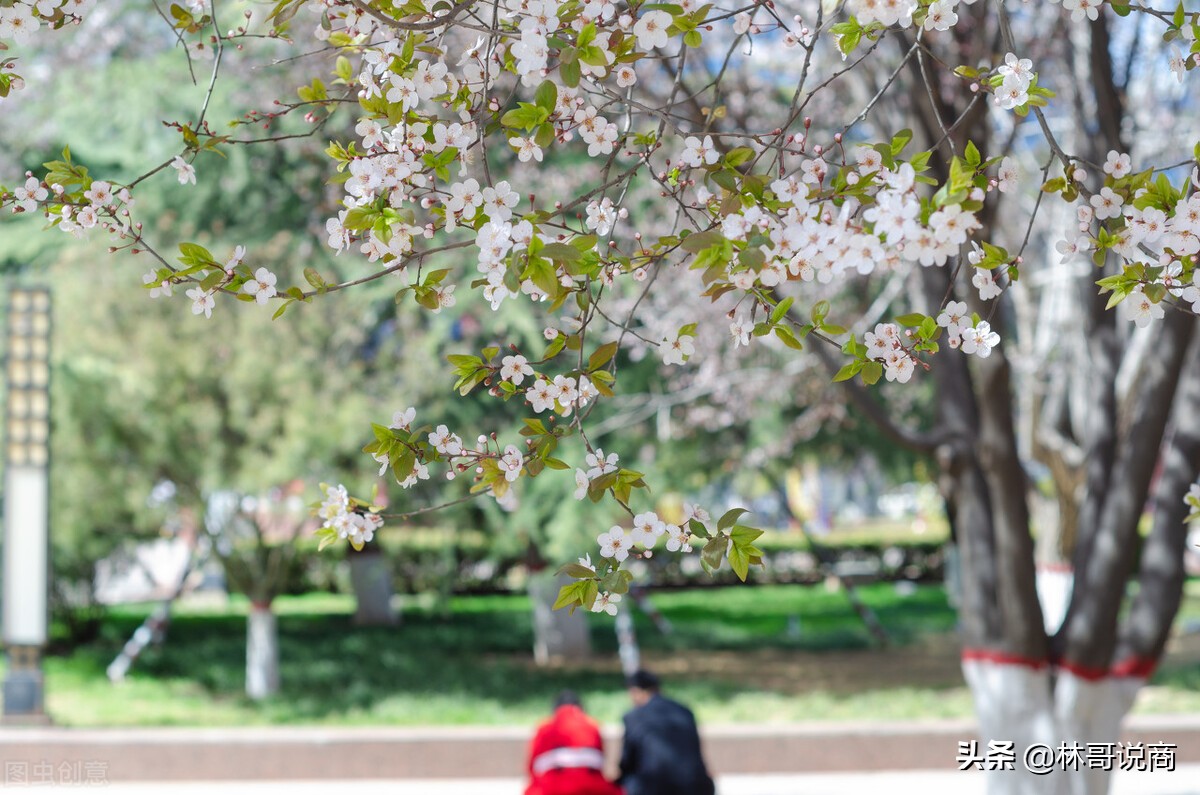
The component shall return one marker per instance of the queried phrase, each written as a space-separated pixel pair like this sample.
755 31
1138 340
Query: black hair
565 698
643 680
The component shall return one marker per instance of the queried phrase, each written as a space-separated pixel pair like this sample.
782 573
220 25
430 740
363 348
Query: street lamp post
26 502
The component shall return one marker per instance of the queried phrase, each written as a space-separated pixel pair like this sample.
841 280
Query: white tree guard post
371 577
557 634
262 652
1027 702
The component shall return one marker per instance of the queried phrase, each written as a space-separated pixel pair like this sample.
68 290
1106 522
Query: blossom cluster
21 19
647 528
765 218
1016 78
1152 226
340 514
618 543
938 15
806 240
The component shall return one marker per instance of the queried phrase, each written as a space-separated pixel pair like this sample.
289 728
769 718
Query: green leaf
212 280
848 371
546 97
284 11
602 355
780 309
1054 185
738 156
615 582
571 73
713 553
871 371
702 241
900 140
555 347
725 180
577 571
194 254
786 336
525 117
327 535
848 41
729 519
971 153
587 35
569 594
739 561
315 279
593 56
743 535
403 466
435 277
819 311
920 161
543 275
561 252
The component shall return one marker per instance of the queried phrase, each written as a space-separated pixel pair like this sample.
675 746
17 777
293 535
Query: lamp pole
26 502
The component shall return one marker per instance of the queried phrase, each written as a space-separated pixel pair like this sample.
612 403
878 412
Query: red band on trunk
1082 671
1140 667
1002 658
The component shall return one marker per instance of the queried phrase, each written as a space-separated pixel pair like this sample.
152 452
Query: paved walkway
1185 781
798 759
396 754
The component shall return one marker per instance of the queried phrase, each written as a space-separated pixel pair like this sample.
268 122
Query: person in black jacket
661 752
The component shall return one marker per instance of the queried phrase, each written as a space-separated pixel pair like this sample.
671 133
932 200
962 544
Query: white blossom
615 544
183 170
980 339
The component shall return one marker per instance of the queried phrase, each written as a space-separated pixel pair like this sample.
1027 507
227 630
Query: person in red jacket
566 756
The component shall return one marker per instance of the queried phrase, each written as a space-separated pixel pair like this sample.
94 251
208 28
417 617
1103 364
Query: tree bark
1089 631
1161 574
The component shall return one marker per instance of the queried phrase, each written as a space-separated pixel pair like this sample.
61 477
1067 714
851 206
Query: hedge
440 560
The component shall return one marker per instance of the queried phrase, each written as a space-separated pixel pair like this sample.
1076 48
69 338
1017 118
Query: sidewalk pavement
762 759
392 753
1184 781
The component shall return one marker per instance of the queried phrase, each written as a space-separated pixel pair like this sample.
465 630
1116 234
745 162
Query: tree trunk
557 634
371 577
262 652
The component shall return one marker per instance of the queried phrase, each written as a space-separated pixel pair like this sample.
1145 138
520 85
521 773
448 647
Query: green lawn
778 653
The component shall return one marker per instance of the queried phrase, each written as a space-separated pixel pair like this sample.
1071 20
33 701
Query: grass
777 653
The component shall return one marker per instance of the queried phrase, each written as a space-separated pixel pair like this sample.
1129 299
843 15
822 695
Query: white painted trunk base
371 577
1020 701
262 653
557 634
